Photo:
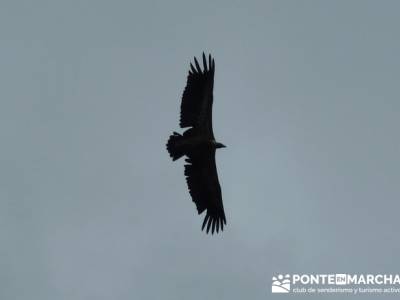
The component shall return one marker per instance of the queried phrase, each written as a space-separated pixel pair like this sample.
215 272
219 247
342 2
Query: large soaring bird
199 145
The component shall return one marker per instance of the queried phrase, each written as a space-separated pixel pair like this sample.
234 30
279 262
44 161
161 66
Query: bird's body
199 145
195 144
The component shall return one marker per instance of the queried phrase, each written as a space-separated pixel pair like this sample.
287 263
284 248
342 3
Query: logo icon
281 284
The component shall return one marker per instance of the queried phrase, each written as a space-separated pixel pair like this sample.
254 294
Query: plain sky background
91 206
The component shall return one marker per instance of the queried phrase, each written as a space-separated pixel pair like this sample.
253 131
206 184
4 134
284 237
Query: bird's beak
223 146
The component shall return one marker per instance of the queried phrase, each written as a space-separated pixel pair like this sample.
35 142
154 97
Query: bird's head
219 145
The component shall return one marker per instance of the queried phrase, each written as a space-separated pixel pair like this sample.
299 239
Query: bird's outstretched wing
202 179
197 99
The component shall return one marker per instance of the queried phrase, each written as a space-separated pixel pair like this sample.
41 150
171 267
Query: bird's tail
174 148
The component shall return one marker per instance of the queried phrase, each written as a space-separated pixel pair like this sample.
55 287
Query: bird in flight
199 145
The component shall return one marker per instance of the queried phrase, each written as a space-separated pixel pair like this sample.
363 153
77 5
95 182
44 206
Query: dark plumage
199 145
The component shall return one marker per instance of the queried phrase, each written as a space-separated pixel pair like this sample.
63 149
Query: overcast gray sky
91 206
